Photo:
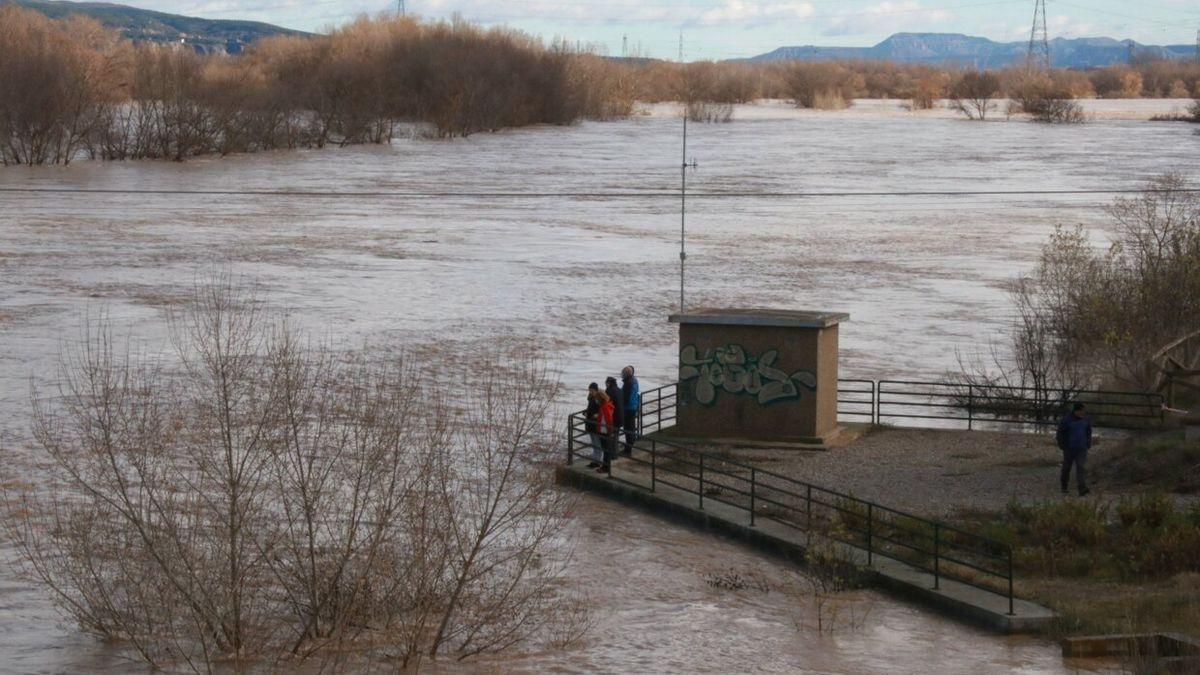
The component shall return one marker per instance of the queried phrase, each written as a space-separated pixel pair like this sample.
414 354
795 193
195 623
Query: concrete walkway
955 599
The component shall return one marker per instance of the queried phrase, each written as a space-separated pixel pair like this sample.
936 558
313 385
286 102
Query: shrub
1145 537
822 86
707 111
974 92
68 85
1059 111
1088 316
1117 82
926 91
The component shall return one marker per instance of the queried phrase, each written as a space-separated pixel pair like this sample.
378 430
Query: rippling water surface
592 280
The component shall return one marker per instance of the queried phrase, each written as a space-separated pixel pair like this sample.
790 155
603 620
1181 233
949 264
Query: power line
646 194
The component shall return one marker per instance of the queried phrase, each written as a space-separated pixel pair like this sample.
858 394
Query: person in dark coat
589 425
631 403
614 392
1074 439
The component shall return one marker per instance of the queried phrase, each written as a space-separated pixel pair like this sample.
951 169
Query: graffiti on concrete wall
731 370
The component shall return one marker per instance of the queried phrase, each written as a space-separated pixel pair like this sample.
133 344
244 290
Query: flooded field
592 280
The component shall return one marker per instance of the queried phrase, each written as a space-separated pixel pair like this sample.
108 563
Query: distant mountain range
143 25
218 35
952 48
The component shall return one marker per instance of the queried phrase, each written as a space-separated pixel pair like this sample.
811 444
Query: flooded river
592 280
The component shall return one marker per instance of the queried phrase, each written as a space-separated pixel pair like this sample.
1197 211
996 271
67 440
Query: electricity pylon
1038 57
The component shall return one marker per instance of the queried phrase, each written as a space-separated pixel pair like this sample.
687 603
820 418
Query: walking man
1074 439
631 403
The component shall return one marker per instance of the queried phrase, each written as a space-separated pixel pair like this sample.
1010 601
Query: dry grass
1090 606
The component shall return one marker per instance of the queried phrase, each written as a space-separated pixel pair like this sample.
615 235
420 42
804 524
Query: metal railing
974 404
857 399
931 546
896 401
658 409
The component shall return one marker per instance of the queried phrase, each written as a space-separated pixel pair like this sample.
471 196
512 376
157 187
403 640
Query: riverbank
1132 109
1122 560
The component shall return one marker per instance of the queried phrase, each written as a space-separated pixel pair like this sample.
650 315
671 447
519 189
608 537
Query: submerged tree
1091 317
974 93
274 499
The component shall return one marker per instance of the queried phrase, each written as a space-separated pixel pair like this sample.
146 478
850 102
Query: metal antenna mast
681 46
400 8
1038 57
683 209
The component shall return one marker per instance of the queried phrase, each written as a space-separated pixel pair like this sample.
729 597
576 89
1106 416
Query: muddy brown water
591 280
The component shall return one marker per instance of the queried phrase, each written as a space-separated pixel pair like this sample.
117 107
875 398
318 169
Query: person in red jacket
606 430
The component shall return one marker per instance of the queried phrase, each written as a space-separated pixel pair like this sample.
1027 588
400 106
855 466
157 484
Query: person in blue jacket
1074 439
631 403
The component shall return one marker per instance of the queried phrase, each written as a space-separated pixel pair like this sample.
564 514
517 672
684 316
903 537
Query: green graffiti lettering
731 370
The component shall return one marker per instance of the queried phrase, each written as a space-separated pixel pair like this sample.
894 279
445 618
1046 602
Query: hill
143 25
952 48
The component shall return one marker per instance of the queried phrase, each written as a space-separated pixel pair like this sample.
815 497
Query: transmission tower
624 46
1039 39
400 8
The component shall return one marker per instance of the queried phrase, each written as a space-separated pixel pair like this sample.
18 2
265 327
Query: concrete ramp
955 599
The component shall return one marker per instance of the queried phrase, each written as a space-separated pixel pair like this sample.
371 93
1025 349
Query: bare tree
974 93
1088 317
273 498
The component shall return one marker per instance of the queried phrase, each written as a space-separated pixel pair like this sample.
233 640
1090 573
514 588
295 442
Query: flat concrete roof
786 318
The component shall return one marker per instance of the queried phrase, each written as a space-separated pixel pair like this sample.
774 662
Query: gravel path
927 471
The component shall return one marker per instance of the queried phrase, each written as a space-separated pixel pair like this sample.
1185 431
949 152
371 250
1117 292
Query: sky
720 29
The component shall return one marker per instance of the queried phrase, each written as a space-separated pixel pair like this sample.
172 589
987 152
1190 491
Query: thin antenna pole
683 213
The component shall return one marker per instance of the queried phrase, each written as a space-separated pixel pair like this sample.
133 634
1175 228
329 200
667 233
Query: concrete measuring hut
758 375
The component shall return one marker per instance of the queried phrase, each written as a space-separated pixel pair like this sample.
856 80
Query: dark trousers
631 429
1076 458
608 444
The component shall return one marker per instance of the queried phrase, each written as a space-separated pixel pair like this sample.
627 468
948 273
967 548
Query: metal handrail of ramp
931 546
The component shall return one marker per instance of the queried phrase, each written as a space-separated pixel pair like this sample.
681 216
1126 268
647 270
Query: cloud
1061 26
750 13
721 12
887 17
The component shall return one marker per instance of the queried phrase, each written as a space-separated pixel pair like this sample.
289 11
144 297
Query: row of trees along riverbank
71 88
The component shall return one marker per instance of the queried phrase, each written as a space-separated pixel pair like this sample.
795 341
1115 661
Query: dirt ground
938 472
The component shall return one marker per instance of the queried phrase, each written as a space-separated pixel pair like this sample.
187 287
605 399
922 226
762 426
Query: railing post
701 490
613 438
937 553
640 419
752 481
808 508
970 407
570 440
653 465
870 528
874 402
1010 583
